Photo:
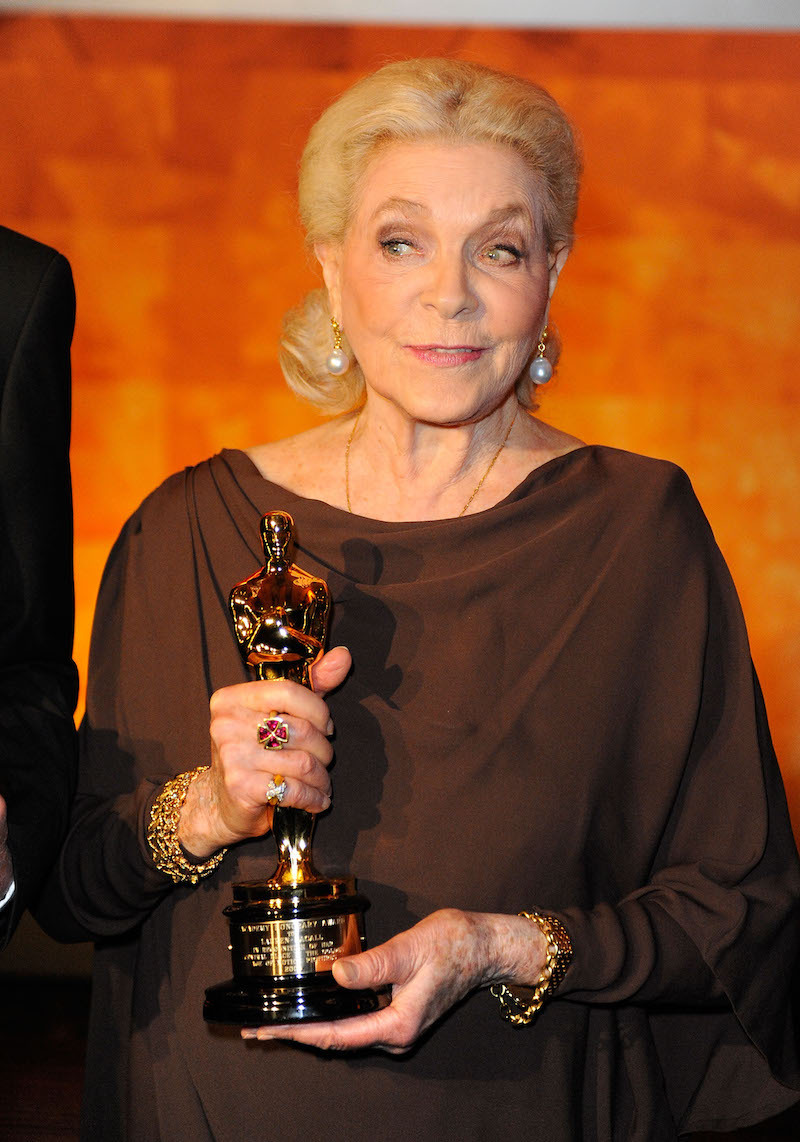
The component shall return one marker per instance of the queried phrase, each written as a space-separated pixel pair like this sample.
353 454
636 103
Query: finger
308 783
308 765
273 733
348 972
242 770
389 963
262 698
331 670
298 794
378 1029
280 733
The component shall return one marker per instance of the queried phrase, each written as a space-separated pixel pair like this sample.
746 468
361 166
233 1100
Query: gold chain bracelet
559 955
162 832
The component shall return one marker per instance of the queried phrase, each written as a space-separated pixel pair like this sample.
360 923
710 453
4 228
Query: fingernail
248 1032
263 1035
347 971
329 727
326 803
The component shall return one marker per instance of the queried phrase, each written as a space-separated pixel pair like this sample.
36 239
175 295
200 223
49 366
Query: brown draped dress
552 706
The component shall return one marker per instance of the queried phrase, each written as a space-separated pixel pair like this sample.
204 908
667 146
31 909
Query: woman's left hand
429 967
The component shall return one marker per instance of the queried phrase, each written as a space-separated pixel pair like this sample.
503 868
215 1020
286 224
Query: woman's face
442 282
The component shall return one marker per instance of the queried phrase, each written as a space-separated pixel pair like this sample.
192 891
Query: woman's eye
396 247
503 255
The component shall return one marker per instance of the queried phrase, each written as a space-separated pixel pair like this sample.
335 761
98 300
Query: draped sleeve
147 708
715 929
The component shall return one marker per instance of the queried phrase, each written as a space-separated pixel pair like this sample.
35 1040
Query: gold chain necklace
478 486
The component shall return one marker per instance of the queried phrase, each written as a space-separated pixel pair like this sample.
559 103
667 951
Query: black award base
284 941
255 1002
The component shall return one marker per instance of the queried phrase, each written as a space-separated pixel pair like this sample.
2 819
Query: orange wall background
160 156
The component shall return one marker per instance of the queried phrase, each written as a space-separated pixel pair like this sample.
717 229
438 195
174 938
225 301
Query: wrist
199 832
520 951
521 1010
166 848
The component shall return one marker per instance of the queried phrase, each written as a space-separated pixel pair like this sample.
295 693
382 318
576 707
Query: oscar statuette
286 932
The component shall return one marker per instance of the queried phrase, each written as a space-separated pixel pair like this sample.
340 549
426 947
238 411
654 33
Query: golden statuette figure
287 931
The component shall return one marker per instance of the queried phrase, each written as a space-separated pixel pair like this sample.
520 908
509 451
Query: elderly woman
554 778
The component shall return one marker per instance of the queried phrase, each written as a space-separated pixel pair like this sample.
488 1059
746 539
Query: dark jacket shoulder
27 268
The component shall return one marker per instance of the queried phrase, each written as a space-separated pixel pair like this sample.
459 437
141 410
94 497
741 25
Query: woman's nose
449 288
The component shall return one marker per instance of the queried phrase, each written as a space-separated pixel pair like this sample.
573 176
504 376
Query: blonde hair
409 101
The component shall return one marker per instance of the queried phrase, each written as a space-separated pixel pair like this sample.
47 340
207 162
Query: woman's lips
446 356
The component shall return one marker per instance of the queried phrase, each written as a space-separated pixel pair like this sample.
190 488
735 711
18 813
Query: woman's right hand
228 803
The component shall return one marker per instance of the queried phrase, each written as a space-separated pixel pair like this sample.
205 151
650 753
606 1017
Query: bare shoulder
310 464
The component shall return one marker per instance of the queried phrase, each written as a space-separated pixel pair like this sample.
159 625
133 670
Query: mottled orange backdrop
160 157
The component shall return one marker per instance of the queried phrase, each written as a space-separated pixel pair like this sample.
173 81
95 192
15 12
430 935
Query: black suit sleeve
38 681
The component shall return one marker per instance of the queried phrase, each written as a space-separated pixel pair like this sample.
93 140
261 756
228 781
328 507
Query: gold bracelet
559 956
162 832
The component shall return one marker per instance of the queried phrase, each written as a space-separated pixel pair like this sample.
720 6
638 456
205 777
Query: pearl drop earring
337 361
540 368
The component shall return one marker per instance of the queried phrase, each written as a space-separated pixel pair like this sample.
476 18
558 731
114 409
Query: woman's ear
329 257
556 260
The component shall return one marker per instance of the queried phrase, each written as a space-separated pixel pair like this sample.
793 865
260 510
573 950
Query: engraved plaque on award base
287 932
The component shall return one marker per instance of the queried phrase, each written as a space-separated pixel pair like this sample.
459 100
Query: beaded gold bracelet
559 955
162 832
